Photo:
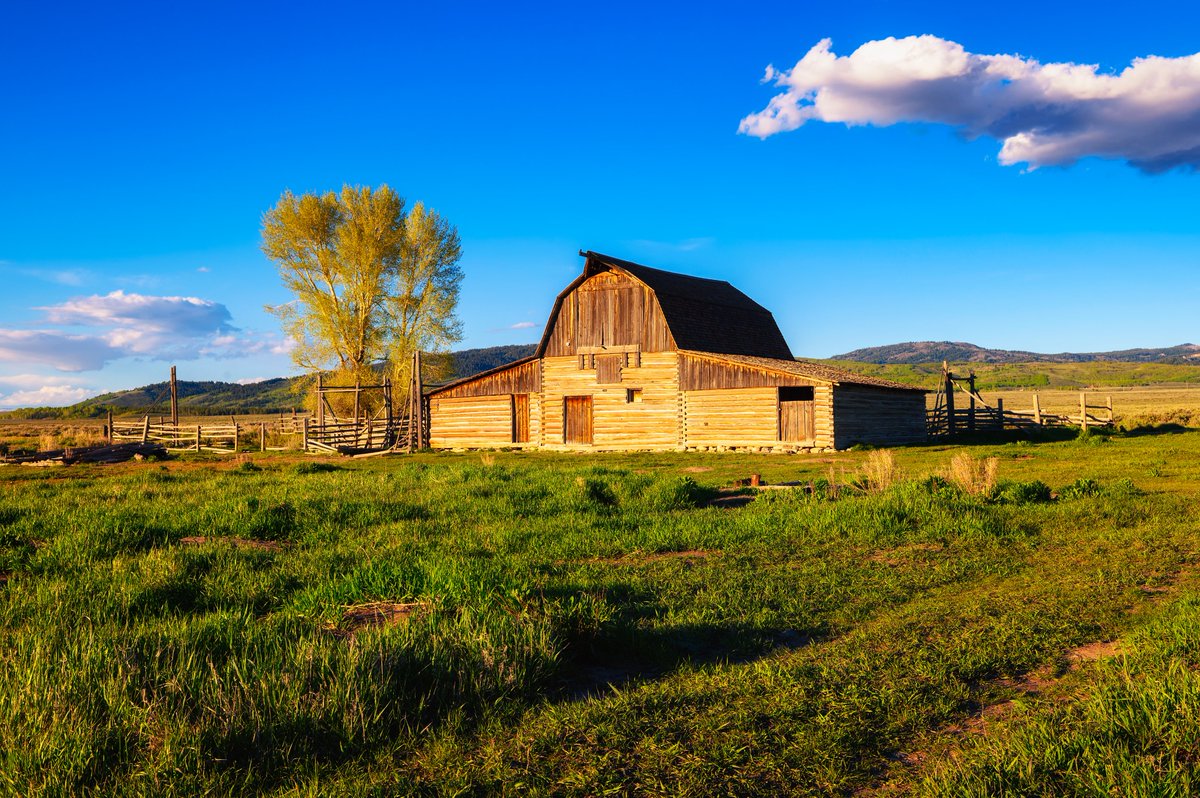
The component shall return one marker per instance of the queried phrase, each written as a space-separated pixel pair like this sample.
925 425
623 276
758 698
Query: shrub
1024 492
1084 486
316 468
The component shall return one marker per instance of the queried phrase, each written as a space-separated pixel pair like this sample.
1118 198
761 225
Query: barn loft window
633 395
608 368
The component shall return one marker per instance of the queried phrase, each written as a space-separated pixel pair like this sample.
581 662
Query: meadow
1014 617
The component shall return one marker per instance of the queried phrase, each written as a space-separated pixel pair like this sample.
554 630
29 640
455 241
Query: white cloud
1044 114
203 269
46 396
251 380
85 333
523 325
38 390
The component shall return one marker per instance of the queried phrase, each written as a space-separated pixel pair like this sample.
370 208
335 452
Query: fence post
1083 419
1000 413
110 428
971 404
197 437
145 428
948 388
1037 410
262 436
235 437
1110 413
304 436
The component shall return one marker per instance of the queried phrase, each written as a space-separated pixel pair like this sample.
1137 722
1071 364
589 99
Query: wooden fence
222 437
944 419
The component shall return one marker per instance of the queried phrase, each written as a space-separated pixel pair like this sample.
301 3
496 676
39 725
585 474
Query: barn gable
620 303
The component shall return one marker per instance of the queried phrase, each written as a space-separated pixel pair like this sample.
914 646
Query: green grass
586 626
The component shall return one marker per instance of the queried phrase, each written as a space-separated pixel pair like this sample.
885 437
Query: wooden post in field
197 437
174 399
1083 419
320 404
1037 410
387 406
235 437
1000 413
1108 402
145 428
304 435
110 427
357 392
262 436
416 418
971 402
948 388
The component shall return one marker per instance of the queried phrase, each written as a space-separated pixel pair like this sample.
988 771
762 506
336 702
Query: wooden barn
638 358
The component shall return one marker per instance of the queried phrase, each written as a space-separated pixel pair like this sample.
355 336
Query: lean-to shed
638 358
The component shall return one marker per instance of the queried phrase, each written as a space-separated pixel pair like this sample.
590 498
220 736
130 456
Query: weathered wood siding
521 378
703 374
652 423
879 416
749 418
608 309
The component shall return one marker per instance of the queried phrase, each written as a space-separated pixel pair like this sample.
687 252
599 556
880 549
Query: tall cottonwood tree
372 279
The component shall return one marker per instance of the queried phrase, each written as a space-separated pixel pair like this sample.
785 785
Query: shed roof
804 368
701 314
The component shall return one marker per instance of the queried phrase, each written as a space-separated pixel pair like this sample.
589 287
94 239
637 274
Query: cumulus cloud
1044 114
85 333
37 390
523 325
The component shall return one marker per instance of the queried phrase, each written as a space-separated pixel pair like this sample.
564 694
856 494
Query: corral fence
219 436
971 413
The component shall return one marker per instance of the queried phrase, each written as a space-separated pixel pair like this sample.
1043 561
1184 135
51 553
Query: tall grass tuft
880 471
976 477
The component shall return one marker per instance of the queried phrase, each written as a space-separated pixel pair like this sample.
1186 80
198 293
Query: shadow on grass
625 656
1154 429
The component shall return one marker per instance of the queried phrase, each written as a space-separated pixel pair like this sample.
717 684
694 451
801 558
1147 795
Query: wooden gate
796 414
577 419
520 416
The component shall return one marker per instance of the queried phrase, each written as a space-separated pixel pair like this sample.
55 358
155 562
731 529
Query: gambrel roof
701 314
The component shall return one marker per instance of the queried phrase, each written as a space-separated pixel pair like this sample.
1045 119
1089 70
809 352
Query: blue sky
141 145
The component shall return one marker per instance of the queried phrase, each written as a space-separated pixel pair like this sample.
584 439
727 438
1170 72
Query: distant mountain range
915 352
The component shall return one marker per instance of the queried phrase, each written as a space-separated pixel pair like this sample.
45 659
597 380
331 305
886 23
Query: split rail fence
221 437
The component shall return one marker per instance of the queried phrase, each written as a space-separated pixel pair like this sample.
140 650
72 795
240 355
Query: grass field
536 624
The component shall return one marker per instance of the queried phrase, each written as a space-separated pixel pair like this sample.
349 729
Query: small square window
633 394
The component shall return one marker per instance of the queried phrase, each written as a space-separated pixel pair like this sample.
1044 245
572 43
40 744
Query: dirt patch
1094 651
265 545
697 469
730 502
374 614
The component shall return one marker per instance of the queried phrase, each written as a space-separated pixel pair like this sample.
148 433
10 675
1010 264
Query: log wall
749 418
702 374
878 416
478 421
652 423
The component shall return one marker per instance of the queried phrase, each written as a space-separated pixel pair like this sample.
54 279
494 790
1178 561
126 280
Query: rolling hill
914 352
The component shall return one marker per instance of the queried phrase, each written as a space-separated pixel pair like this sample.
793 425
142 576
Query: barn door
520 417
577 419
796 414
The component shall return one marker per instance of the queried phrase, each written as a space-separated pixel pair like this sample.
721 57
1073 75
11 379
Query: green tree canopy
373 280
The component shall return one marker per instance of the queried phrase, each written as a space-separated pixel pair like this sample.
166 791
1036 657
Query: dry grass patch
976 477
